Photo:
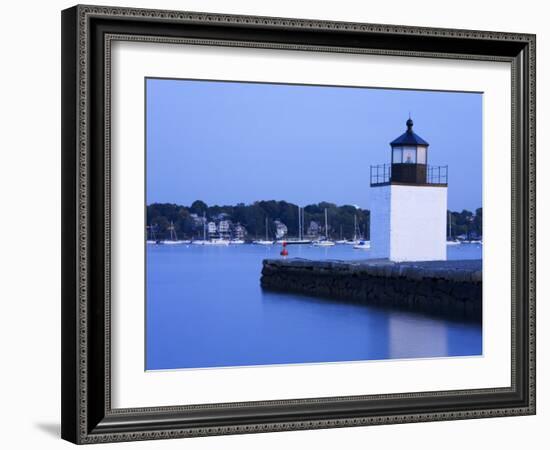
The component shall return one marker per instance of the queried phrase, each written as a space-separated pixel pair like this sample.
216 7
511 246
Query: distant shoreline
284 220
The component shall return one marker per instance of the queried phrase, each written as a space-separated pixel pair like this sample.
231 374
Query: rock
444 287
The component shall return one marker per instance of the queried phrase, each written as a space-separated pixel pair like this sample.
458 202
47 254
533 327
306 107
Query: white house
212 229
281 229
198 220
239 231
224 227
313 229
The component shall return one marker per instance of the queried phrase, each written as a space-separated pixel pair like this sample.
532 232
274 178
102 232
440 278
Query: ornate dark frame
87 31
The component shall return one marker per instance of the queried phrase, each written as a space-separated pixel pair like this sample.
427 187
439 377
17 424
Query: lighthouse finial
409 124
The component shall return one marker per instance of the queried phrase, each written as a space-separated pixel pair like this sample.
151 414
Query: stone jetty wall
449 288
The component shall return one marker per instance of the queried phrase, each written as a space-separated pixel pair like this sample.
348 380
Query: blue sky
226 143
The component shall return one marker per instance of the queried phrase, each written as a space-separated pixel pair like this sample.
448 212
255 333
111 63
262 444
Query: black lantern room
409 160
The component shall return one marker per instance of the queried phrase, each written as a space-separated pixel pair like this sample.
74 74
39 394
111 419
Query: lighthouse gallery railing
381 175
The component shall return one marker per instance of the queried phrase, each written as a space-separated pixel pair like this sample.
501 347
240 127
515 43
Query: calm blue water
205 308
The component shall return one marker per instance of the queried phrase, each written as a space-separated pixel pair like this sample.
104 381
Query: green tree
198 207
340 218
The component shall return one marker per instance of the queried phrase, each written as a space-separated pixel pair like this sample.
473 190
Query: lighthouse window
409 155
397 155
421 155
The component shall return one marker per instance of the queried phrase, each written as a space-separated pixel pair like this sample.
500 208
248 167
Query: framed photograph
278 224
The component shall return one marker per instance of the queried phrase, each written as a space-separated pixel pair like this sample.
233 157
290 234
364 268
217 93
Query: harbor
275 282
212 296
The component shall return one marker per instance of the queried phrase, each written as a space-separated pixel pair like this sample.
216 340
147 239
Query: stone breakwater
449 288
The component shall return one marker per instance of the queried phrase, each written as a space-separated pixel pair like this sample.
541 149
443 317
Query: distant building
198 221
224 228
212 229
239 232
313 229
281 229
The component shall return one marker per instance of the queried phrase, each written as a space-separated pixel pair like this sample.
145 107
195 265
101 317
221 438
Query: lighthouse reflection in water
203 310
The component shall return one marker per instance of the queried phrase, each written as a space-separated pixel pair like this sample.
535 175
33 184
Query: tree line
465 224
341 219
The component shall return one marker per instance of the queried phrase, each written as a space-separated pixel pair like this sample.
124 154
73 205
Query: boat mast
300 212
326 224
299 224
303 221
266 237
173 234
151 233
204 226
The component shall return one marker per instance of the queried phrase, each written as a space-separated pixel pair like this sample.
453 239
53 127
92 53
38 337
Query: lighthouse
408 203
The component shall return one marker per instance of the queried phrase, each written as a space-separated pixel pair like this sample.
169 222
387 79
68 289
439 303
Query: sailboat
341 240
450 240
362 245
220 240
356 235
217 241
236 241
173 237
152 236
266 241
325 242
202 241
300 239
357 241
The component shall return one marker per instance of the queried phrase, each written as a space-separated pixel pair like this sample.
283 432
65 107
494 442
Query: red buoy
284 251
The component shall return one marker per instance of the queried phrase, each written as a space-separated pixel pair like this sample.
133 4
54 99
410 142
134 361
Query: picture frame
87 412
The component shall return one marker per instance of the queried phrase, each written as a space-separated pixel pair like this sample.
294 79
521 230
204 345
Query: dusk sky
227 143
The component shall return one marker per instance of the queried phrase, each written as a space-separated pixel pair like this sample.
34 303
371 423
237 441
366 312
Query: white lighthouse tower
408 203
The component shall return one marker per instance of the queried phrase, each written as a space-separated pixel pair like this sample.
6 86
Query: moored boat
202 241
152 235
323 243
362 245
217 241
296 242
176 242
173 237
453 242
326 242
356 234
265 241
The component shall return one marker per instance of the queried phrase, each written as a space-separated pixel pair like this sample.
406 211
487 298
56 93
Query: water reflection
205 308
416 337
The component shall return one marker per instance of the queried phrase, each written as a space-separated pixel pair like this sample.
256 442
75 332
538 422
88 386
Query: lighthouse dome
409 137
